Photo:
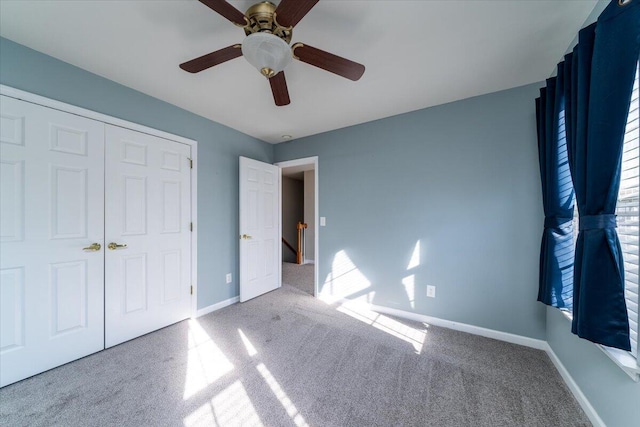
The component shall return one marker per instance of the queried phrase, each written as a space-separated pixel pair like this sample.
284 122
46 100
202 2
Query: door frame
302 162
83 112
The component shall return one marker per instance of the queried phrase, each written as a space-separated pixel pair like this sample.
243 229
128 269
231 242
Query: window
628 211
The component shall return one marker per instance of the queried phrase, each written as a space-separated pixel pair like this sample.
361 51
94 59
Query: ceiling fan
266 47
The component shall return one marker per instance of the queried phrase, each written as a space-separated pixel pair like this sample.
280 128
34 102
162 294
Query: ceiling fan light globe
266 51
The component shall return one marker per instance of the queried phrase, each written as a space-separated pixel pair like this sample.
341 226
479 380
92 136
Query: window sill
623 359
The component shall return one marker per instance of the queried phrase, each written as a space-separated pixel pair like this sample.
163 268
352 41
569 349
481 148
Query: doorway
299 224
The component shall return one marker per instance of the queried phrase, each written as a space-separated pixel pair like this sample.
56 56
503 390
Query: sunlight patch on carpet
413 336
200 417
206 363
251 350
232 406
286 403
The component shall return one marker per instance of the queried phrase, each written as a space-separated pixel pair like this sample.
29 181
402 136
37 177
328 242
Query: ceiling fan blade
226 10
279 89
290 12
328 61
211 59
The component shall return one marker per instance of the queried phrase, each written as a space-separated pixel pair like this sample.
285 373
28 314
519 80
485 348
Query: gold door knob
94 247
113 246
246 236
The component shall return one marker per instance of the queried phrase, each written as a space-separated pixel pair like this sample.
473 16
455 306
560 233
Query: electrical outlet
431 291
229 278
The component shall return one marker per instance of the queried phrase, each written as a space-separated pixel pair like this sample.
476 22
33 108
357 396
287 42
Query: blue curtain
595 83
556 251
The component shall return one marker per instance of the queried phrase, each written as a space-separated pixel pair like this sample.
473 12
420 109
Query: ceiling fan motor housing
262 19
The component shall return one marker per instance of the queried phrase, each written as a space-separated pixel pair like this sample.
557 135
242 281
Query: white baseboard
217 306
471 329
575 389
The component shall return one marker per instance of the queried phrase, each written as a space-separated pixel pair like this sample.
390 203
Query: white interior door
51 207
259 228
148 217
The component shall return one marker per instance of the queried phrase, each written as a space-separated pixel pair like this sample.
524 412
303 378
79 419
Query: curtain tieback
556 221
593 222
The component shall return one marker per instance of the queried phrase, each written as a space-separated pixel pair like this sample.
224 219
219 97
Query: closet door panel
147 282
51 207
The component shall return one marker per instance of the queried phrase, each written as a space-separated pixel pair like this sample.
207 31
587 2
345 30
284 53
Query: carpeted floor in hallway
298 275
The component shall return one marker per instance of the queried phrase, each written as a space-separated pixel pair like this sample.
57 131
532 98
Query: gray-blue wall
463 180
218 150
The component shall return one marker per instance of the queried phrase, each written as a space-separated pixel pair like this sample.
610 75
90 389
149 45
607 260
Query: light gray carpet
287 359
298 275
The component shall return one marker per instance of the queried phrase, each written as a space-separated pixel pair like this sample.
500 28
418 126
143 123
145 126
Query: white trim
217 306
194 233
463 327
83 112
316 247
279 266
301 162
575 389
624 360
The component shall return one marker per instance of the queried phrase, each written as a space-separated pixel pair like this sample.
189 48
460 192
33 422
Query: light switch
323 221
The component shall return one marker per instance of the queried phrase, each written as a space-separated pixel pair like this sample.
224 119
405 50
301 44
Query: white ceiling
417 54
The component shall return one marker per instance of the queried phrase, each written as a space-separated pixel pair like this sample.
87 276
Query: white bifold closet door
51 207
147 232
71 188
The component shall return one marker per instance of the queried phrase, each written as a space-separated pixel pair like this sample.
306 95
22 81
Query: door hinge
190 163
190 226
192 290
